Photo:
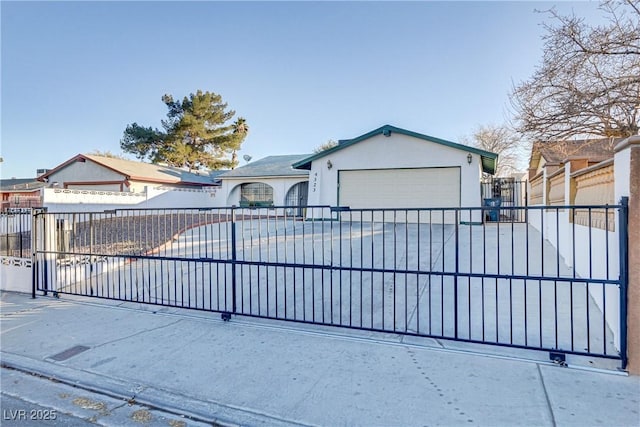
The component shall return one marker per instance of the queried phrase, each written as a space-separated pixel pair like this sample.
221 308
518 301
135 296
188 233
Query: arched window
256 194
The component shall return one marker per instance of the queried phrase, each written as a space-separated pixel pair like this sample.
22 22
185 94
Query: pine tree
196 134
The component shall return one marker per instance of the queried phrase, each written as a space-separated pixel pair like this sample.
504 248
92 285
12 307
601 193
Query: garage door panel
408 216
400 188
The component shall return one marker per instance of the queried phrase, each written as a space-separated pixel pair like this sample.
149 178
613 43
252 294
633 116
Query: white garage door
401 188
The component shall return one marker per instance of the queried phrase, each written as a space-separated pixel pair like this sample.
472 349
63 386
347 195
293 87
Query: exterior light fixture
329 164
469 158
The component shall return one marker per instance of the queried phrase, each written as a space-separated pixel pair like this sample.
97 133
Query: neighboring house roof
594 150
139 171
488 159
215 175
269 167
21 185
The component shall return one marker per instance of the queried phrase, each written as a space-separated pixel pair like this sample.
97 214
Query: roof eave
306 163
43 177
187 183
263 176
24 190
302 165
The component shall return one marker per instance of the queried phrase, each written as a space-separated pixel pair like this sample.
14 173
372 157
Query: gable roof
20 185
139 171
594 150
488 159
269 167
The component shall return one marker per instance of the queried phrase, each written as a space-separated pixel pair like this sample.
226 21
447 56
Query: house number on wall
315 181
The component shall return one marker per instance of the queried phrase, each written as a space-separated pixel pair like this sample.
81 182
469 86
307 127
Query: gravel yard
127 233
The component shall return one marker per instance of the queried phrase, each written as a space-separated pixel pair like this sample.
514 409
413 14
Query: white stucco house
391 167
271 181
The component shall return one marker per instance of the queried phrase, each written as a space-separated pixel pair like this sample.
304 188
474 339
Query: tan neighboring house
586 163
91 172
20 193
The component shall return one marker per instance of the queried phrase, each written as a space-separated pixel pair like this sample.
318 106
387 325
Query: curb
197 410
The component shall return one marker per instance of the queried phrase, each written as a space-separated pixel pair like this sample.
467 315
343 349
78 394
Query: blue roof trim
487 158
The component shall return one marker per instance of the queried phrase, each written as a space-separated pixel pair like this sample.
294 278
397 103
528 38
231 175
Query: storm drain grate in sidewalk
69 353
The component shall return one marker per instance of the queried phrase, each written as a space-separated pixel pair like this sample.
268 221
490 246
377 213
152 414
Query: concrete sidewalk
253 372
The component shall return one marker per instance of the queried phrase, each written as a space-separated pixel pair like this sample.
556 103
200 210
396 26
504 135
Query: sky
74 74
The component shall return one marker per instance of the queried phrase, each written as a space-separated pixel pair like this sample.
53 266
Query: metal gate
15 234
556 283
297 196
503 194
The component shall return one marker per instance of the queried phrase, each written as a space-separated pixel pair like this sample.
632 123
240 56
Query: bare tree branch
503 141
588 82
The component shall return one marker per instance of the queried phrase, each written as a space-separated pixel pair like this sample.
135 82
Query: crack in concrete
137 333
25 310
439 343
115 408
546 396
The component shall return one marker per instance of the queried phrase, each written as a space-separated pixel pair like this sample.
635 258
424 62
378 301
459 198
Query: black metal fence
20 204
556 283
15 234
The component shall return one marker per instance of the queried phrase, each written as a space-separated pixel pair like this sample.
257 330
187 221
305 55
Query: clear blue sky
74 74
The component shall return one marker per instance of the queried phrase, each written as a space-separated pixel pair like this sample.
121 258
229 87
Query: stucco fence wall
15 274
586 239
15 251
64 200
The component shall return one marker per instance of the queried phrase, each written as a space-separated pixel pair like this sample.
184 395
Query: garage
394 168
399 188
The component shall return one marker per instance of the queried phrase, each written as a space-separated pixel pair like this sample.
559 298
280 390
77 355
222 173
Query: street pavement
17 412
148 365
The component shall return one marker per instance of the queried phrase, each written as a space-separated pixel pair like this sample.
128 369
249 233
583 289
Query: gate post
457 271
49 243
34 250
233 258
623 240
43 260
627 184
